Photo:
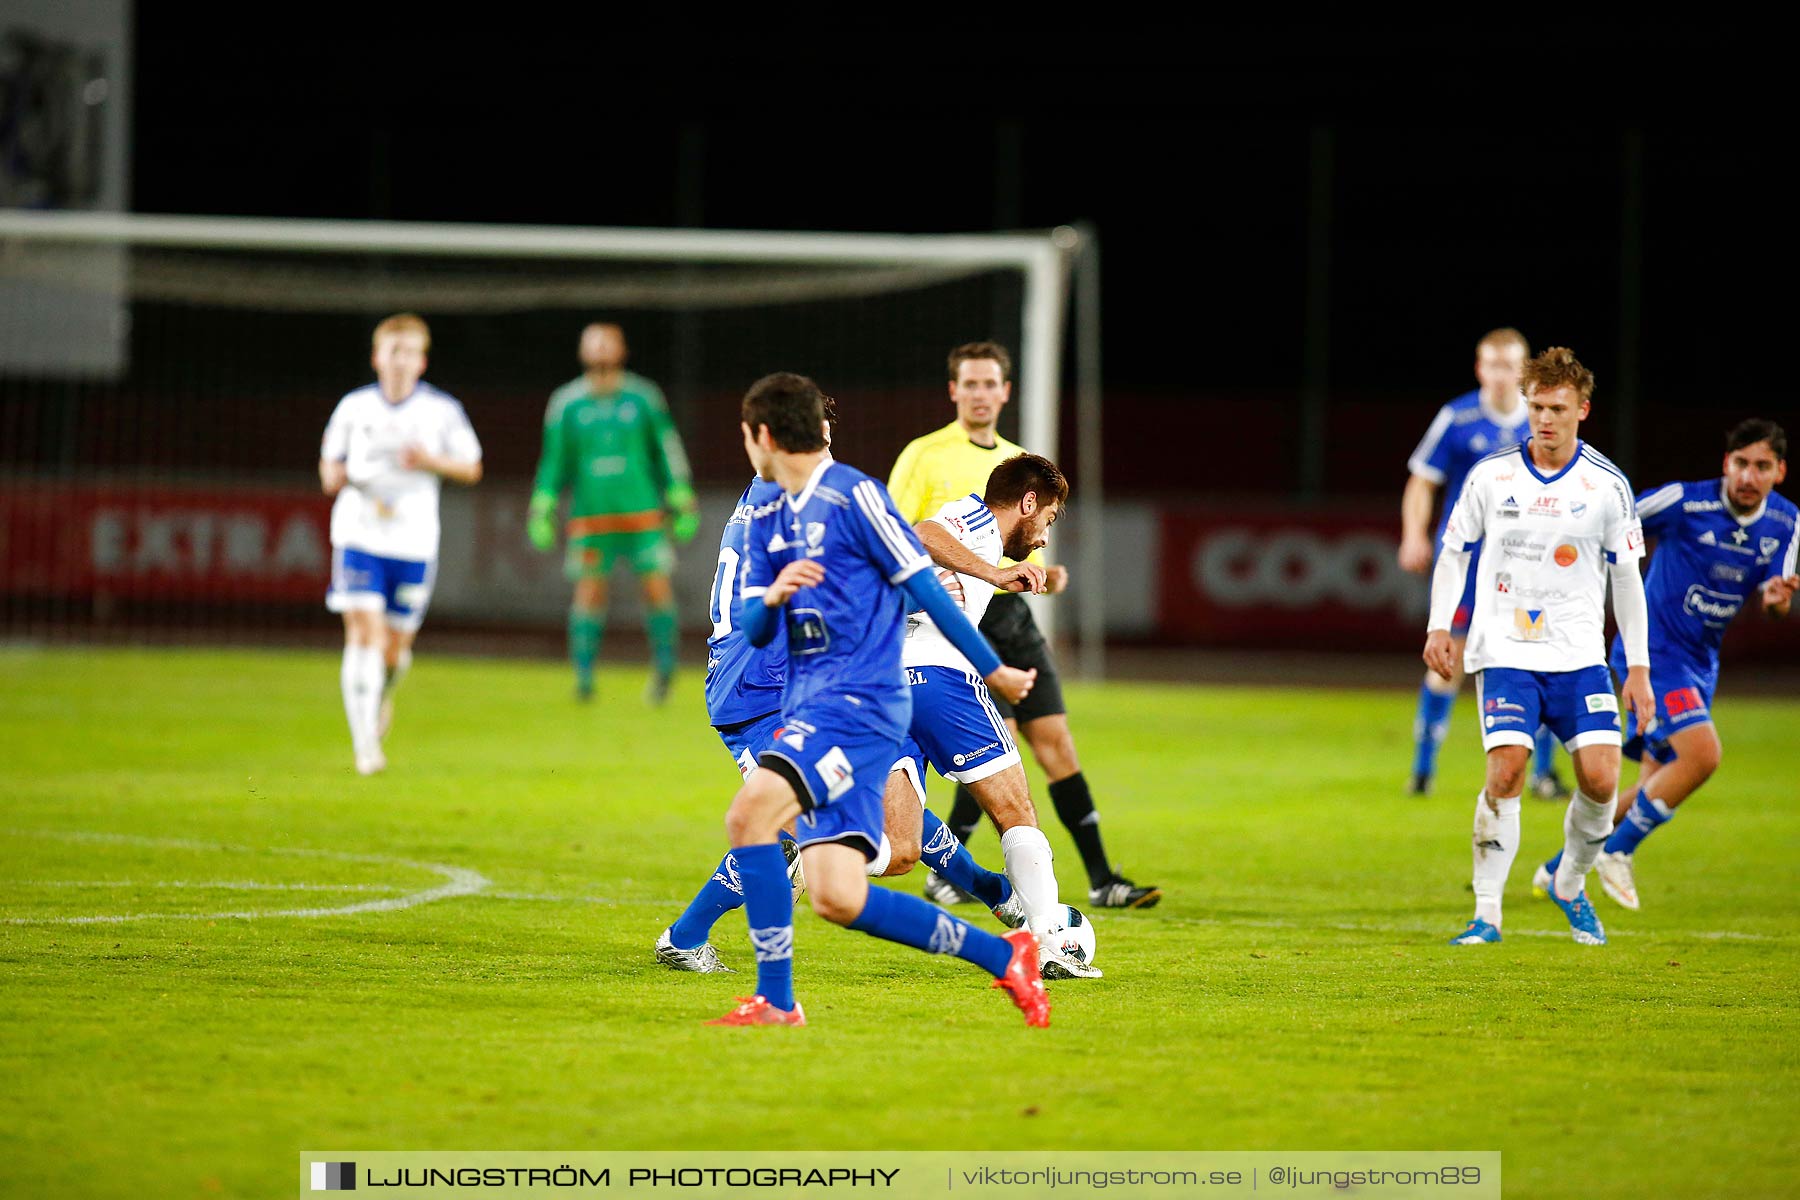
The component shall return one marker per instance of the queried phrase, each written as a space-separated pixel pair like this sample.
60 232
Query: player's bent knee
837 904
903 854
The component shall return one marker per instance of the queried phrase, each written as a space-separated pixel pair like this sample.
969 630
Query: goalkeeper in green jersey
609 443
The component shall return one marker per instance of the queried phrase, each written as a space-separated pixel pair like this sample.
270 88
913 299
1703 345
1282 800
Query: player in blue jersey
829 563
1466 430
743 705
1718 543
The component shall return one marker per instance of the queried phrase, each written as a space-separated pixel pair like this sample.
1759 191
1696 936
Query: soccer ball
1073 935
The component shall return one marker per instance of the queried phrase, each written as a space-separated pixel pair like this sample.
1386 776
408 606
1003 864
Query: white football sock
360 680
1496 845
401 666
1029 865
1586 826
878 865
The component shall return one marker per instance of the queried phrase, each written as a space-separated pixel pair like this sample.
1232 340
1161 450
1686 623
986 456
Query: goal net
164 383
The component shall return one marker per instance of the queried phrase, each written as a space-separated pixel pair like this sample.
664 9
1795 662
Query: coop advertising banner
1291 579
163 541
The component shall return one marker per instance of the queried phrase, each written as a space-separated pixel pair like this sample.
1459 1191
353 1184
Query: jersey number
723 583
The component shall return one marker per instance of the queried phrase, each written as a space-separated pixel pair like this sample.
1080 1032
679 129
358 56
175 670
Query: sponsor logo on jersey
1715 609
1738 536
834 768
1506 478
1521 547
1587 484
1726 573
1683 701
1566 555
1502 704
1503 582
1703 506
1529 624
1509 507
1492 721
1602 702
1707 538
971 756
1545 506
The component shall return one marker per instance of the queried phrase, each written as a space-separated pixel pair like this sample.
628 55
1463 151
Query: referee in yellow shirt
946 465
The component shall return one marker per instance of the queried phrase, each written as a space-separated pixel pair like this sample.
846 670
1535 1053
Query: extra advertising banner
164 541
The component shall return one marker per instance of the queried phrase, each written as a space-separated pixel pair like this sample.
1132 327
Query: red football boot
1021 979
756 1010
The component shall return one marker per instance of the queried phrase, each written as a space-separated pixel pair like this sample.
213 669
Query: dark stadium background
1304 228
1616 189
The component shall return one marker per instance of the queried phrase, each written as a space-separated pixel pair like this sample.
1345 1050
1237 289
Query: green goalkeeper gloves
540 523
686 523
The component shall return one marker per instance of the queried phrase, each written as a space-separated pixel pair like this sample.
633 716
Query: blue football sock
722 893
1641 820
770 907
1554 862
1429 728
951 859
910 921
1543 755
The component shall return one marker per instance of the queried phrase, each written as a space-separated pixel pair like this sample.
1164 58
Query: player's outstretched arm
1633 613
1415 521
1010 682
547 485
332 476
1446 592
1778 594
946 551
457 470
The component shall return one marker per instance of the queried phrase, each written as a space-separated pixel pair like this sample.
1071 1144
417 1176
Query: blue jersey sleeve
1432 458
888 541
1660 509
756 619
1786 559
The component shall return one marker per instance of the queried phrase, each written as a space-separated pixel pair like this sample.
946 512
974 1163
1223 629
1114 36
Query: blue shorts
747 737
955 726
1579 707
838 763
1684 692
362 582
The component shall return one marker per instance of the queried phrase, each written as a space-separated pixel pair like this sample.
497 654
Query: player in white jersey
956 726
386 448
1555 519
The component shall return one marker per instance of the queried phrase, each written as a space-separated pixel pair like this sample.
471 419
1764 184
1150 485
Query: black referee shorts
1009 626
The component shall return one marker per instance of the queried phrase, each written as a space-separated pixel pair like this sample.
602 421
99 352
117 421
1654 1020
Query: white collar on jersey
1744 519
796 503
1511 420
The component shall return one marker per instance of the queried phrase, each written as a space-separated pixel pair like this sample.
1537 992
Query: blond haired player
1556 521
386 449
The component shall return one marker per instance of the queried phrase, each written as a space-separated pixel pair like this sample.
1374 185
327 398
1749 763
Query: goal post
262 271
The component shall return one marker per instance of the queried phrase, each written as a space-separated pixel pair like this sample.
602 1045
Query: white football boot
1616 877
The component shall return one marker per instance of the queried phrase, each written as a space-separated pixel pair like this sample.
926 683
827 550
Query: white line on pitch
458 881
226 885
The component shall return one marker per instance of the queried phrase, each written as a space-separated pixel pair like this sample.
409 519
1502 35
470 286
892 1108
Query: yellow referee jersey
943 466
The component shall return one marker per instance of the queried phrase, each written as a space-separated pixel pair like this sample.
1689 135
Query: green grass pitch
1294 991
